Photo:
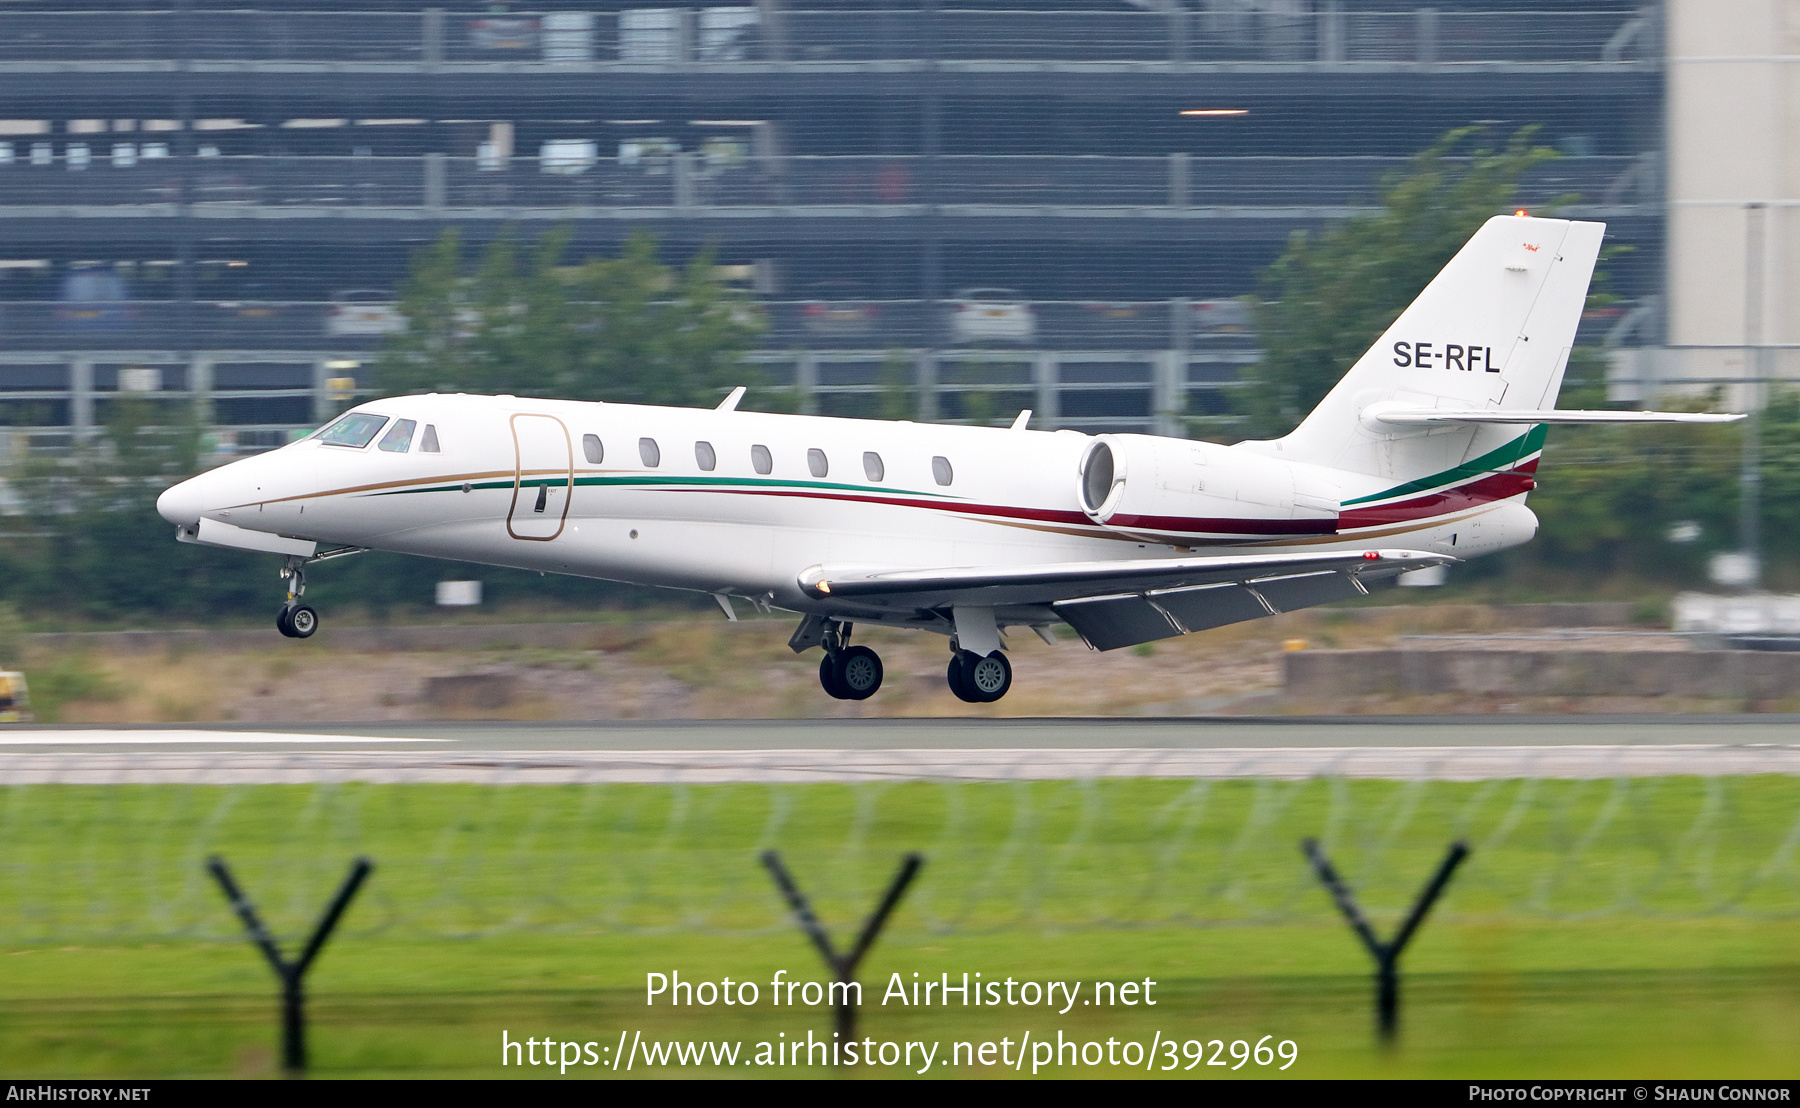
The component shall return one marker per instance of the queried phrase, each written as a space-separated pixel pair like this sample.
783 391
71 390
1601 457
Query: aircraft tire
828 678
282 624
988 678
858 672
302 622
958 680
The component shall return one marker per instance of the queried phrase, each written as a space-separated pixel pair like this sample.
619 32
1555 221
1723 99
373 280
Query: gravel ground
717 670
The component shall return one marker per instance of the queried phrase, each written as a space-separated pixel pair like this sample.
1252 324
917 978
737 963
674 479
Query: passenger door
543 474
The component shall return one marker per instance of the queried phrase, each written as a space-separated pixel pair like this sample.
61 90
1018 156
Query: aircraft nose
182 504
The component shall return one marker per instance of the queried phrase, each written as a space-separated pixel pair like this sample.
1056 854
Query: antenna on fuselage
1024 418
730 403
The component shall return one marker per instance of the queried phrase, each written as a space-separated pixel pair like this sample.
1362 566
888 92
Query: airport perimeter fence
550 843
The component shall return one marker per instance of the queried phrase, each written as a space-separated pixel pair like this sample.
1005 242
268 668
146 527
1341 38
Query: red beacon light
1371 556
1522 212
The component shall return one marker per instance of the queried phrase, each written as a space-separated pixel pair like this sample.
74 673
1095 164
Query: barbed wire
123 862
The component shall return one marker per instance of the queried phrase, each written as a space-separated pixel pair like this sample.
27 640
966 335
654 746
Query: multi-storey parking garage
1054 206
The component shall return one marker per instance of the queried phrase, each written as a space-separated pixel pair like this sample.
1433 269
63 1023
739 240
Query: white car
992 315
363 312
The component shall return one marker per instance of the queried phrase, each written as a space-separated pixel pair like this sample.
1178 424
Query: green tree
628 328
1330 295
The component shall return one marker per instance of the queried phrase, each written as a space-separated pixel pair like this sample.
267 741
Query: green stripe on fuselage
654 479
1493 461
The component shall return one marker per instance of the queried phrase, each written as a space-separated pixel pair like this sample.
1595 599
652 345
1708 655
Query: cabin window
355 430
872 467
761 459
650 452
705 456
941 471
428 443
592 450
815 461
398 440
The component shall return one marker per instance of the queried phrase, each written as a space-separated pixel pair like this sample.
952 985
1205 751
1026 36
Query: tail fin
1492 331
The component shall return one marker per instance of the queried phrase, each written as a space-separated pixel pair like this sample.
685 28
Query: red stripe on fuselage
1495 486
1215 527
1485 490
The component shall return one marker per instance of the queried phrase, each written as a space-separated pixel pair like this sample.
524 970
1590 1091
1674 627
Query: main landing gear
854 672
848 672
979 678
296 620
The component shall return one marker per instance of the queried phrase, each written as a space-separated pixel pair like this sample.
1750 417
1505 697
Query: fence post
842 966
1386 954
292 975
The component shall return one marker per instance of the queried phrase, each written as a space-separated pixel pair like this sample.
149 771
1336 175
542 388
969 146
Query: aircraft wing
1122 603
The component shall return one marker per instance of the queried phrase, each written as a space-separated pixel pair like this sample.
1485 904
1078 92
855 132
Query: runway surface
1440 748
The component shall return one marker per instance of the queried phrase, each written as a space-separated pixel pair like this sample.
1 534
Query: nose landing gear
848 672
296 620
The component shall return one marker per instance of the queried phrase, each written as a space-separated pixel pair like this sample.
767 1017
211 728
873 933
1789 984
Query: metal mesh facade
230 197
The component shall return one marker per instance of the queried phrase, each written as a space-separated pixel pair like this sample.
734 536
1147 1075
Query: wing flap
1203 607
1122 603
1110 622
1055 581
1288 594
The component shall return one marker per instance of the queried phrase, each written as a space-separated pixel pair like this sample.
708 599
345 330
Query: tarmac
1407 748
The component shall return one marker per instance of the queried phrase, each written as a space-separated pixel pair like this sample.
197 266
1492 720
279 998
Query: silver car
992 315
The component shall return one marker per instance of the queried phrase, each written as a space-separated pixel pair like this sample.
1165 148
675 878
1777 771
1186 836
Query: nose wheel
296 620
977 678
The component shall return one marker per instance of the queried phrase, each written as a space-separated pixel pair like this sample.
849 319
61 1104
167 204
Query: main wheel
858 672
281 621
828 678
304 621
986 678
958 682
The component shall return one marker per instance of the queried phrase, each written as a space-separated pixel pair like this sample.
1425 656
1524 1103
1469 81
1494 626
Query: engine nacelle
1179 492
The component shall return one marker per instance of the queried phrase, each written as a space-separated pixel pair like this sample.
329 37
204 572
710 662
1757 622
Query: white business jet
1422 455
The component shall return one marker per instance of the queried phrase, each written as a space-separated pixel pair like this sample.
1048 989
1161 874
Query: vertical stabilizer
1492 331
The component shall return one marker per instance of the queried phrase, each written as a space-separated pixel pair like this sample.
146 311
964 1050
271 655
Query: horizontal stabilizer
1401 416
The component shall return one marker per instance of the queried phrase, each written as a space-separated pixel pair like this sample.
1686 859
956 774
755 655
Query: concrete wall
1737 674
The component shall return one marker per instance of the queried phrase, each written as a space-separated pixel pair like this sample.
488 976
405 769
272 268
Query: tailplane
1489 336
1465 381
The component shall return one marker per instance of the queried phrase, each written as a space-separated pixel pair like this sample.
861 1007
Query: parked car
839 308
363 312
1221 317
992 315
93 298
